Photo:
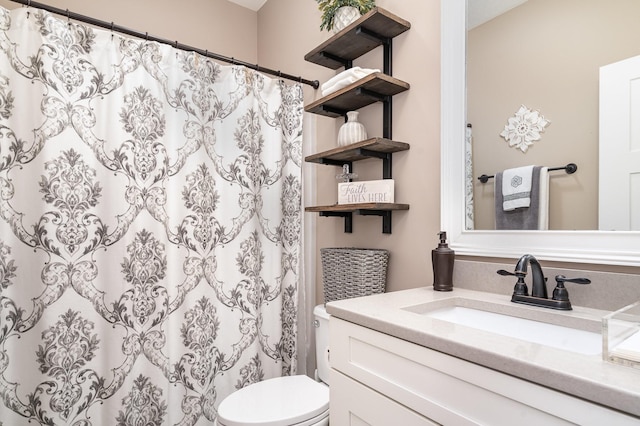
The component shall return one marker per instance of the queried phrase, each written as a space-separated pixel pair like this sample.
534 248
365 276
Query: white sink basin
509 325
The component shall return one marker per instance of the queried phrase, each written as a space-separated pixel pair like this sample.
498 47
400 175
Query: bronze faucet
538 297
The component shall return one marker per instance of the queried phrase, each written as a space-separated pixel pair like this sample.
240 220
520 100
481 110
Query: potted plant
337 14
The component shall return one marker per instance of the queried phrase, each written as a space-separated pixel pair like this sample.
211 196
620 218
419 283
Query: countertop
585 376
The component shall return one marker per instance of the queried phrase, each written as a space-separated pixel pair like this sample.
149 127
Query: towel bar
569 168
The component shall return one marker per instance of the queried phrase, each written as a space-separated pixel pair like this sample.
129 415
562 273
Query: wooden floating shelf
357 151
347 211
358 38
366 91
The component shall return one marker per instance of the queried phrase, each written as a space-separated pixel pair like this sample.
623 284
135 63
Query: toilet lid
275 402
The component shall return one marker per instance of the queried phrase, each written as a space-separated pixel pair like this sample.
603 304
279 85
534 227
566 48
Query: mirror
598 247
546 55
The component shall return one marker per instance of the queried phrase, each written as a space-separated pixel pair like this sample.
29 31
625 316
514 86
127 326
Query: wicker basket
353 272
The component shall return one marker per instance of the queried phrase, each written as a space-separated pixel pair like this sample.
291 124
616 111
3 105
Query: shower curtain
150 227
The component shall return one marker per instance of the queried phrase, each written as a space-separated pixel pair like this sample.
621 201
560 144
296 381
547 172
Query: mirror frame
596 247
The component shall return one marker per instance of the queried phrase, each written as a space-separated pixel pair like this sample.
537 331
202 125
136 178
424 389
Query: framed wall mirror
582 246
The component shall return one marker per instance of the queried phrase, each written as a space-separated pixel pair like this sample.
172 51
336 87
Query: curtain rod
113 27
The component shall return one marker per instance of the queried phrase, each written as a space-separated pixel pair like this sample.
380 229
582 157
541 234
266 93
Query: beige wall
546 55
288 29
216 25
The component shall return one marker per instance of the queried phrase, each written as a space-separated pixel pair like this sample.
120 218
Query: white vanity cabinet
380 380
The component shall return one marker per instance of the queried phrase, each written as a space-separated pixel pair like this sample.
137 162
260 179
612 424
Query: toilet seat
281 401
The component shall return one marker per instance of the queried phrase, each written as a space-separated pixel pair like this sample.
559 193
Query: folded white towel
629 348
344 79
516 188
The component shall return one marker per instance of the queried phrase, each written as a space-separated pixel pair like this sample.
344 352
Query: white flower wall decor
524 128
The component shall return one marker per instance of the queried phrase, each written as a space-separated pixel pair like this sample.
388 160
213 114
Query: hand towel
543 208
523 218
344 79
516 188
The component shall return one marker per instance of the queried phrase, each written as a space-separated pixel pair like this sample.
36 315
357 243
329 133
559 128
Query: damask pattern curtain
150 227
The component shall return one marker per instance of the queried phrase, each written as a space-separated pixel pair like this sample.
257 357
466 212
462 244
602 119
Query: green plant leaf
329 8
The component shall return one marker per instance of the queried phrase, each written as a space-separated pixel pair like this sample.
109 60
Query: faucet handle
520 288
560 292
505 273
563 279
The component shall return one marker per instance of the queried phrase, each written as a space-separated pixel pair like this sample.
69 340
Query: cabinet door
353 404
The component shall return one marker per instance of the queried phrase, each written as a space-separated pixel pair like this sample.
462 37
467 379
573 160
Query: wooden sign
368 191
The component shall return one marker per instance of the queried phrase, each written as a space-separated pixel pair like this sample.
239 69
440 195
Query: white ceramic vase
352 131
343 17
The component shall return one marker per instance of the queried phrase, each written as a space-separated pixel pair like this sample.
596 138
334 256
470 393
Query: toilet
285 401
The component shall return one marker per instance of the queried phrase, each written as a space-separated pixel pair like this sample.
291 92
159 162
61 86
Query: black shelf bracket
336 111
346 63
371 35
386 218
373 95
387 114
387 109
339 163
387 56
384 156
386 42
348 219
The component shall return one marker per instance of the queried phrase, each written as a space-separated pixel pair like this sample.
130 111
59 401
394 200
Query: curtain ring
176 45
146 36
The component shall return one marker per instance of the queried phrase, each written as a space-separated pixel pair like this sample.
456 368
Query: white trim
598 247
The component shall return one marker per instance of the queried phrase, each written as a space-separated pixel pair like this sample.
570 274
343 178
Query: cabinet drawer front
450 390
354 404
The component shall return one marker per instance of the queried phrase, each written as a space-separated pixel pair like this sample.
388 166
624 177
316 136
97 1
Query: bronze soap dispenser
442 258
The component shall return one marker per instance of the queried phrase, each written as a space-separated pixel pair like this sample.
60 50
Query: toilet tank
321 328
